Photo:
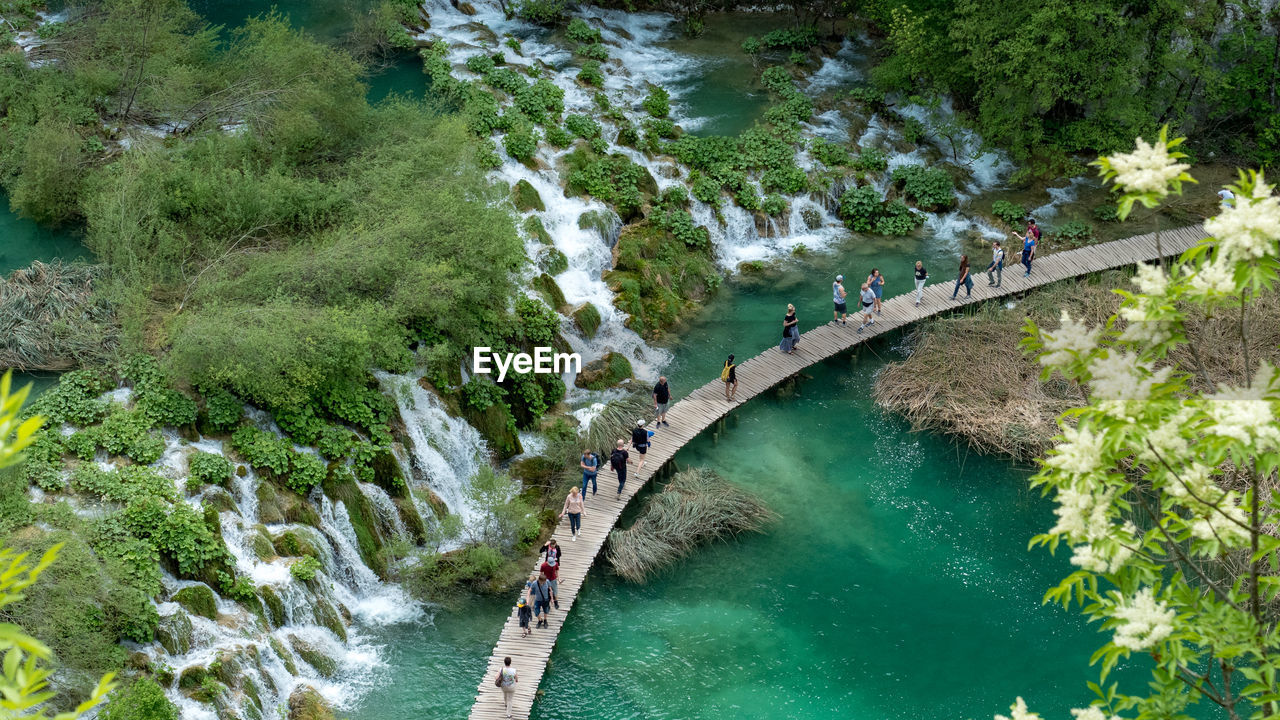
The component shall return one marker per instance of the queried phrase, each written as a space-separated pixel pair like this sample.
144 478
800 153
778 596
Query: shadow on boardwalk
704 406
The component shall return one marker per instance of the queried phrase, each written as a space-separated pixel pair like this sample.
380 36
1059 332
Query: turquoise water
22 241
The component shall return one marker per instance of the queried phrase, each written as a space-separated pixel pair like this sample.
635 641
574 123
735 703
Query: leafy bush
930 188
1008 212
166 407
614 180
662 128
208 468
141 700
305 472
505 79
1106 213
777 79
305 568
580 31
751 46
334 442
898 219
591 74
359 405
680 224
238 588
788 179
121 484
658 102
797 58
480 64
128 432
872 160
705 189
521 143
796 38
480 393
829 153
582 126
774 205
74 400
1074 232
860 207
541 102
262 449
558 137
594 51
868 95
223 409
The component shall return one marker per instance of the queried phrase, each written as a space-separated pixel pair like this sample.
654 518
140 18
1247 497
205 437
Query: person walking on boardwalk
507 679
618 461
540 590
790 331
868 299
524 612
590 465
1033 228
1028 247
963 279
921 276
551 571
661 396
551 549
838 294
729 374
876 281
573 507
996 266
640 441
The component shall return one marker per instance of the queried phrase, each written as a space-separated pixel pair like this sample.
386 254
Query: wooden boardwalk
704 406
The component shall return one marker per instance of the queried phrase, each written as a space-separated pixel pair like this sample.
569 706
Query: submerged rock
313 656
551 292
174 633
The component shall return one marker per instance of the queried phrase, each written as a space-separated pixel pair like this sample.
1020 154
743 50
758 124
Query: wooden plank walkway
704 406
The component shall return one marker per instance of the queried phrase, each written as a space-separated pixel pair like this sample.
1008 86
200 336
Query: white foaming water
836 71
1058 197
447 451
388 514
367 597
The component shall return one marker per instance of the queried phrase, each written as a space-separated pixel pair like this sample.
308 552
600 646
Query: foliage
872 160
898 219
579 31
859 208
658 102
751 46
558 137
774 205
480 393
542 12
793 38
128 432
305 568
508 519
829 153
480 64
613 179
208 469
74 400
223 409
541 102
305 472
929 188
1009 213
166 407
659 276
121 484
25 681
1165 477
582 126
521 143
262 449
1074 232
591 74
141 700
1106 213
16 433
177 531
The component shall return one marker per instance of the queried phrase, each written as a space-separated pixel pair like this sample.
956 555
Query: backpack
617 460
724 374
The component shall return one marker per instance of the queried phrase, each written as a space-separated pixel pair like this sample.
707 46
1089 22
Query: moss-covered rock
411 518
587 318
295 508
327 616
274 605
466 8
546 285
268 504
192 677
198 600
286 656
605 223
174 633
552 261
658 278
388 475
307 704
263 548
292 543
220 500
496 425
526 197
605 372
534 227
341 485
313 656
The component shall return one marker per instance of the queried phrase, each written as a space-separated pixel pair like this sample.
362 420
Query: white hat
839 278
1225 193
639 423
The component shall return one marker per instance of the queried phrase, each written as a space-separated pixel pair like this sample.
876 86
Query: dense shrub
774 205
166 407
582 126
521 143
591 74
128 432
579 31
223 409
594 51
541 102
829 153
305 568
860 207
142 699
898 219
872 160
1107 213
177 530
795 38
1074 232
930 188
558 137
74 400
1008 212
658 102
543 12
208 469
262 449
305 472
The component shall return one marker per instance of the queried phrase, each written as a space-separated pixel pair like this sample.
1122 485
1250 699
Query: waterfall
388 514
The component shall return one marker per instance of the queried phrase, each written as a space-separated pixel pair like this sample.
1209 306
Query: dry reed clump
697 506
616 421
50 318
968 377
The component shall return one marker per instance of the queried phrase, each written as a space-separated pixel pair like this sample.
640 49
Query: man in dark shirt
640 441
661 396
618 461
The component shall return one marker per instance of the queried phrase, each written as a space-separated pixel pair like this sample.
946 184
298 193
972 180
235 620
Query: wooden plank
705 405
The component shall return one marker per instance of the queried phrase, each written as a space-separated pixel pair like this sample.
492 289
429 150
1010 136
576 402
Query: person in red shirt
551 569
1033 228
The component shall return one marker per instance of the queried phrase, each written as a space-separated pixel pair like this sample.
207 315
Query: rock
587 318
275 606
228 668
138 661
286 657
604 222
412 520
192 677
466 8
174 633
363 516
327 616
551 292
291 543
388 475
437 505
262 545
306 704
220 500
536 230
552 261
296 509
492 424
605 372
268 506
526 197
198 600
242 471
812 218
311 655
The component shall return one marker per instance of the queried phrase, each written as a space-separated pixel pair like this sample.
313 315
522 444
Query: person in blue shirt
1028 249
590 465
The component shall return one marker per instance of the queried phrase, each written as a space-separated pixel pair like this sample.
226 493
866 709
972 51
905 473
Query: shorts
866 308
555 586
541 607
641 448
840 308
662 408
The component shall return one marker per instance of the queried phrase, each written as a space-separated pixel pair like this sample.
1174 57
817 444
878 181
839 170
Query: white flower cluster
1245 414
1167 438
1251 229
1142 327
1214 278
1070 339
1148 169
1020 712
1121 382
1225 524
1080 453
1093 712
1145 621
1082 515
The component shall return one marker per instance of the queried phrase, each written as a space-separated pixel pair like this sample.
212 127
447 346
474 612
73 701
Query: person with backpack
996 266
540 591
640 441
525 613
590 465
550 570
838 293
661 396
729 374
618 461
507 679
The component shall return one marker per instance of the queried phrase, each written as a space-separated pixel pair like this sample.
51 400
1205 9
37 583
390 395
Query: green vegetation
929 188
863 210
1011 214
305 569
141 700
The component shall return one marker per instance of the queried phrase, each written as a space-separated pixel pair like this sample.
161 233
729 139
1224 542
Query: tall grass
52 319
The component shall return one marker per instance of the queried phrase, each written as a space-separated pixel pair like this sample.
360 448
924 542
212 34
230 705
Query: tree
1165 481
25 679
